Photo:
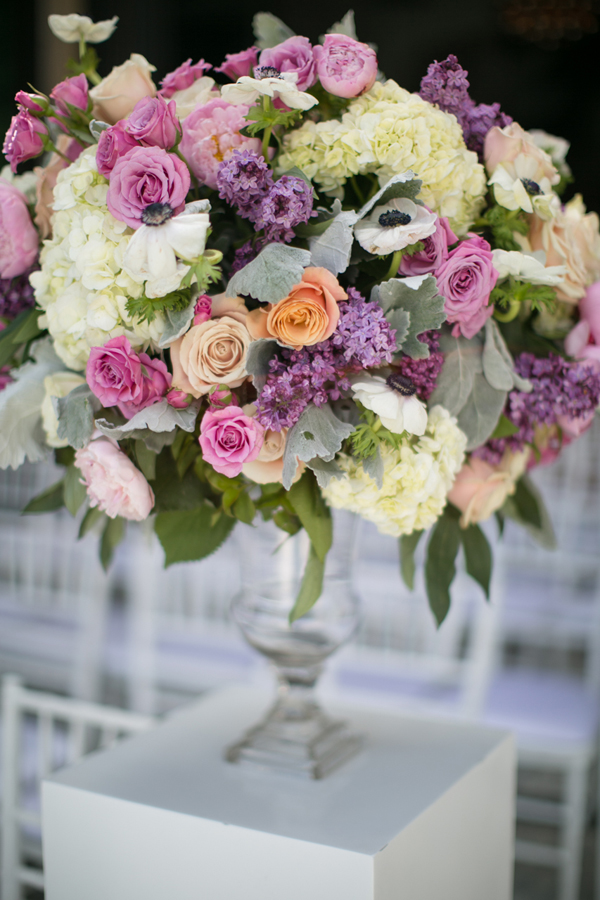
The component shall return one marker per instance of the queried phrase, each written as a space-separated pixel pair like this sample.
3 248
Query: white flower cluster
81 285
388 131
416 479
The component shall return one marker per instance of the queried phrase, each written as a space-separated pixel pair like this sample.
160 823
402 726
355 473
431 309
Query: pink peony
154 123
434 253
71 91
210 134
345 67
19 240
24 138
143 176
238 64
229 438
112 481
120 377
466 280
114 142
293 55
183 77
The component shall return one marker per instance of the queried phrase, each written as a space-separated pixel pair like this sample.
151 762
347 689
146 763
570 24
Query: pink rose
345 67
466 280
24 138
293 55
154 123
183 77
120 377
434 252
19 242
210 134
202 309
112 481
113 143
480 488
143 176
73 91
238 64
178 399
229 438
30 101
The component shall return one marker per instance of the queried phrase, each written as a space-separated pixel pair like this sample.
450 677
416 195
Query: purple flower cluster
316 374
244 255
423 372
447 85
16 294
246 182
560 388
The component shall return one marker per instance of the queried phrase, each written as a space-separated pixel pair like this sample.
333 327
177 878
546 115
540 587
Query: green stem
94 77
82 48
394 265
357 190
265 143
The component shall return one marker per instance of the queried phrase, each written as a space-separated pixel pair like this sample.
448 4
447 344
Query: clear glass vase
296 735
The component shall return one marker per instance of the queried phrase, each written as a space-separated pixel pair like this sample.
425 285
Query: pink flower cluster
120 377
229 438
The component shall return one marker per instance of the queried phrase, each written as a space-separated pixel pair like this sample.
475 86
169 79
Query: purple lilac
446 84
244 180
245 254
559 388
423 372
16 294
288 202
317 374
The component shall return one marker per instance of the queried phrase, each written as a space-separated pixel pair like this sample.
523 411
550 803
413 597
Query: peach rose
308 315
211 353
480 489
116 95
234 307
267 468
571 239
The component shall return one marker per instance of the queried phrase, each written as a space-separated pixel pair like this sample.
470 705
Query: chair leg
573 831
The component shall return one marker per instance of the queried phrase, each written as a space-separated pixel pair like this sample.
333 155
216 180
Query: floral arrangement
290 287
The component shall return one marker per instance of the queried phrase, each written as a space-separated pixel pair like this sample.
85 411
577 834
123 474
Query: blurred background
147 641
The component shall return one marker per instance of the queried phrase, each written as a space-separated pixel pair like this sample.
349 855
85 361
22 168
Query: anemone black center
157 213
394 217
266 72
532 187
401 384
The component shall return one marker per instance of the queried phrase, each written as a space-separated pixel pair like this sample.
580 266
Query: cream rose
308 315
521 172
267 468
480 489
571 239
211 353
57 385
116 95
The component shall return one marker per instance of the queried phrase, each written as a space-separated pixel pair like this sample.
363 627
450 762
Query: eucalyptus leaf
462 361
270 277
269 30
480 414
318 432
403 185
419 297
178 322
75 414
332 249
311 586
373 466
159 417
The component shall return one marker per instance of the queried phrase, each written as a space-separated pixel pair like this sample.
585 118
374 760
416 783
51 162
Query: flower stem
394 265
357 190
265 143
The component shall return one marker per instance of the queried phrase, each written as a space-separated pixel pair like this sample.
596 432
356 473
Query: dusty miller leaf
260 353
479 416
270 277
403 185
462 361
75 414
399 319
419 297
178 322
316 433
158 418
373 466
269 30
498 364
97 127
345 26
324 470
332 249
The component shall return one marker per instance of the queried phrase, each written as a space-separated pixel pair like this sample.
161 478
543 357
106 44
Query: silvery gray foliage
260 353
498 364
373 466
418 297
178 322
270 277
318 432
324 470
332 249
75 414
152 424
345 26
97 127
479 416
403 185
269 30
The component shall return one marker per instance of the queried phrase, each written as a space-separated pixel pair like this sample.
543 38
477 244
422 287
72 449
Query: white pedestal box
424 812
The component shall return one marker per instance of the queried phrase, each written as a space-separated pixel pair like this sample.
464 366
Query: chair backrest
40 734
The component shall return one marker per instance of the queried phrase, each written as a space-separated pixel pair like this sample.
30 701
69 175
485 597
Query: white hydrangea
388 131
81 285
416 479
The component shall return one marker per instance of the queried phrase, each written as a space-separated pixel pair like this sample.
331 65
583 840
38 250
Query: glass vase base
312 747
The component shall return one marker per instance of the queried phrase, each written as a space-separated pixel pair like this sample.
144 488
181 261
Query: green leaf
48 501
178 322
408 545
28 328
260 354
287 522
318 432
345 26
403 185
498 364
504 428
332 249
91 518
145 308
422 301
270 277
76 416
311 586
526 500
74 490
526 507
478 556
244 509
11 337
479 416
113 534
462 361
146 460
313 512
172 492
158 418
440 567
269 30
399 319
190 534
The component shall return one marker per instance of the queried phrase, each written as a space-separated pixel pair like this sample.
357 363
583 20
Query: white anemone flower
516 186
74 28
398 411
394 226
153 251
527 267
247 90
